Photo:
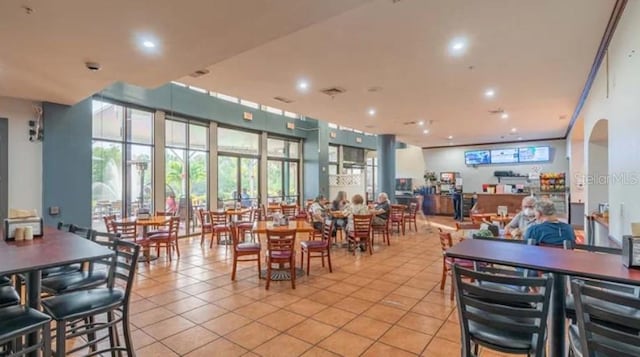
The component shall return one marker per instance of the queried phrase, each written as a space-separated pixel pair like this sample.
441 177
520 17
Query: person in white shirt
317 212
525 218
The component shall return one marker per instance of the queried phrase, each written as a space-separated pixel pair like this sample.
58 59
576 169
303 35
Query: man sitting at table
549 230
381 210
317 212
523 219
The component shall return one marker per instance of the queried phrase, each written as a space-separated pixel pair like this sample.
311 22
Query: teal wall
66 162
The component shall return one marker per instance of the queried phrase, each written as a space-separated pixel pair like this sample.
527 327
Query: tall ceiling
386 54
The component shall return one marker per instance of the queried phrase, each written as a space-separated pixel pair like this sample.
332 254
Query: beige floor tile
385 313
334 316
150 317
282 320
306 307
197 288
399 301
326 297
204 313
343 288
434 310
282 346
281 299
421 323
218 348
450 331
408 340
367 327
411 292
311 331
168 327
140 339
184 305
256 310
319 352
214 295
252 335
354 305
346 343
439 347
226 323
141 305
155 350
189 340
380 349
234 302
369 294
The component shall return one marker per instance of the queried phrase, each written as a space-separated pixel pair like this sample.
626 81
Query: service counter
489 202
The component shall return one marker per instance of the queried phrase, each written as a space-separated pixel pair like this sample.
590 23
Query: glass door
238 181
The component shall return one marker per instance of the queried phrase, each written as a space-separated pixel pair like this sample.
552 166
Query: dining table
54 248
145 223
300 226
556 261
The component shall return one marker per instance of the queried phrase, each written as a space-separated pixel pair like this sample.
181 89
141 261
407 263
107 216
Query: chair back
446 241
203 216
218 217
413 210
606 320
63 226
262 212
362 225
281 242
327 230
174 228
105 238
123 267
397 212
86 233
127 230
290 211
481 305
164 214
108 222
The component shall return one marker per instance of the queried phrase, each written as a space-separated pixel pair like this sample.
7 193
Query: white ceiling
536 54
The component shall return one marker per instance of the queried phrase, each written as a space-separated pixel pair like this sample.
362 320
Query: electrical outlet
54 210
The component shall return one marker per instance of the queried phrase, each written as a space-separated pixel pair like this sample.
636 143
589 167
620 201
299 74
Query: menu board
504 156
534 154
477 157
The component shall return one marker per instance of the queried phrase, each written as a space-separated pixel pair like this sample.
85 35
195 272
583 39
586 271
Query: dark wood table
557 261
55 248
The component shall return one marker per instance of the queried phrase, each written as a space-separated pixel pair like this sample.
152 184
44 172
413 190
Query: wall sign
291 126
332 134
247 116
358 140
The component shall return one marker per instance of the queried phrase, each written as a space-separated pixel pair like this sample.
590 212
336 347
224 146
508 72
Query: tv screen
477 157
353 154
534 154
504 156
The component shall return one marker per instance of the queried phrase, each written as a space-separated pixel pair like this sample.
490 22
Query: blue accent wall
387 165
66 163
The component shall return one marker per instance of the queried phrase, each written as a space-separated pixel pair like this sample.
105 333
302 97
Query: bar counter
489 202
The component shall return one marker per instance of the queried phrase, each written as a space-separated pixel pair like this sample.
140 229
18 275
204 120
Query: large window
186 171
122 157
333 159
283 170
238 168
372 180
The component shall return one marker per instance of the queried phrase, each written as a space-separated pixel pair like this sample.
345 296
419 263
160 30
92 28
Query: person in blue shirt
549 229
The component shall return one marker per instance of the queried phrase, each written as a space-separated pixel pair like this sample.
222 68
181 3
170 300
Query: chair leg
158 249
113 333
322 258
293 271
201 236
268 274
177 248
127 333
415 224
235 266
61 350
167 247
301 258
329 259
444 277
46 340
259 268
370 246
452 290
91 336
308 261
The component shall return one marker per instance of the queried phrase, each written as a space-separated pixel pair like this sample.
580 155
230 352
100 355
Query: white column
213 166
158 160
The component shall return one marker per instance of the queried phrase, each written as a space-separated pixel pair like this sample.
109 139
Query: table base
147 258
225 242
280 275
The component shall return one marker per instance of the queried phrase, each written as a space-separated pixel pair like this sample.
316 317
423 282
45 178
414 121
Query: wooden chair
290 211
242 251
164 228
396 217
220 226
245 225
323 246
127 230
383 230
281 251
410 217
108 223
205 224
361 233
446 242
316 233
169 239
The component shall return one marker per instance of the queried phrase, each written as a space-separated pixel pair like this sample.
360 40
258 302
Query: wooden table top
299 226
151 221
53 249
337 214
236 212
571 262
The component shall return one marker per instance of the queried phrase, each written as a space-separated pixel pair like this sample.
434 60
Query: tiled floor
388 304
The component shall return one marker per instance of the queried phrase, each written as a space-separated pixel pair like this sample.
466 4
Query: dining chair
243 251
127 230
70 310
108 222
383 230
205 224
315 233
281 251
244 226
446 242
17 322
290 211
608 322
410 217
513 321
163 228
220 226
396 217
8 295
322 246
361 233
168 239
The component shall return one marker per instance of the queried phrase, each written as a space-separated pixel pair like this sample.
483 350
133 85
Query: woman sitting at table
317 212
356 207
548 230
339 204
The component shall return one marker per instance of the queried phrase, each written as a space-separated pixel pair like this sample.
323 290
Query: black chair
8 295
63 269
505 321
17 322
77 310
608 322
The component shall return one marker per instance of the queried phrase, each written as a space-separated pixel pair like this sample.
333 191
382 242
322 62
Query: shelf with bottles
553 182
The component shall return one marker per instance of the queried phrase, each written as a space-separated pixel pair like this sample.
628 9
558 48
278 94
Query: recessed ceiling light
425 131
504 116
372 112
458 46
489 93
303 85
450 137
421 122
519 137
513 130
148 44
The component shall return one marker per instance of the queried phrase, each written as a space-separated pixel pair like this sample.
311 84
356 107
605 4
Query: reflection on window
240 142
291 115
107 121
333 153
282 148
176 133
272 110
250 104
140 126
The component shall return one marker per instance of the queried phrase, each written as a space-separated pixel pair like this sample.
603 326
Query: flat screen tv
534 154
477 157
351 154
504 156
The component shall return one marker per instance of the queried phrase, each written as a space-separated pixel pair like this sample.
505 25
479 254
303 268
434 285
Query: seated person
549 230
339 204
356 207
317 212
381 210
523 219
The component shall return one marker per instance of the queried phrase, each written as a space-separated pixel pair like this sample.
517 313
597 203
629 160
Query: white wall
452 159
25 157
410 164
622 108
577 171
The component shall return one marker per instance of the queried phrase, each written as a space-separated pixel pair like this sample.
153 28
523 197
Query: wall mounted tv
477 157
534 154
504 156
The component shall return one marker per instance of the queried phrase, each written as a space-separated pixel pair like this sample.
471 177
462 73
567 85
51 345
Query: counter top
604 221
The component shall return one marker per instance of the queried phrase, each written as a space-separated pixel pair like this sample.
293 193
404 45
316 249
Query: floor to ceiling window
122 160
333 159
238 168
283 170
186 170
372 180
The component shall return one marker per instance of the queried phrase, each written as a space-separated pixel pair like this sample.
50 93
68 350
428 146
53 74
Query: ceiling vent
333 91
283 100
199 73
496 111
410 123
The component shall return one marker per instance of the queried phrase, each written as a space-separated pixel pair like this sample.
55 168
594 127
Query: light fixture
421 122
458 46
148 44
450 137
425 131
513 130
489 93
372 112
303 85
519 137
504 116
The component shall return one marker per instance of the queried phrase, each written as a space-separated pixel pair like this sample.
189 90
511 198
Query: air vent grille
496 111
199 73
283 100
333 91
